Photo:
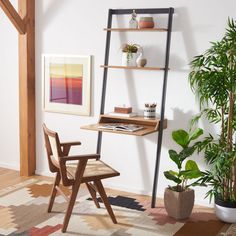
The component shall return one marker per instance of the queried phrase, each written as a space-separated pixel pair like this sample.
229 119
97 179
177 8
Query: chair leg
105 200
93 195
73 196
54 191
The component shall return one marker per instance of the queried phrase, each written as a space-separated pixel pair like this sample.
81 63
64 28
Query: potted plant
179 199
129 54
213 79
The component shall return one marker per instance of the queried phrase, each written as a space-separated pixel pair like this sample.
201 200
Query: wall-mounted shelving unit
149 126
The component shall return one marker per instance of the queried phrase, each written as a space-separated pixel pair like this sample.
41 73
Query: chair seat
95 169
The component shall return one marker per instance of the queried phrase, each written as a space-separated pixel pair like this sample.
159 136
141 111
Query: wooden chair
88 169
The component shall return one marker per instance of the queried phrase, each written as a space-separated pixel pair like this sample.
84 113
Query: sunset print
66 82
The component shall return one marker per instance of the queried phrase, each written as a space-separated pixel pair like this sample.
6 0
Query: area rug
23 211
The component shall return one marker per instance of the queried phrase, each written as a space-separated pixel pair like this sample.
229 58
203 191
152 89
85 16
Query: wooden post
24 21
27 89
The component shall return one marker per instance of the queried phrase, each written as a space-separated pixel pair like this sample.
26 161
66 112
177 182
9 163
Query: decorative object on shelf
150 111
123 109
133 23
132 114
179 199
212 78
141 61
129 54
67 80
146 22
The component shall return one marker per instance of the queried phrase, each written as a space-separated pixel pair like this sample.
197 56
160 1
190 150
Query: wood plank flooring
10 177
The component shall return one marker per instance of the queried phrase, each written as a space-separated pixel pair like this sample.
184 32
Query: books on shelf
121 127
132 114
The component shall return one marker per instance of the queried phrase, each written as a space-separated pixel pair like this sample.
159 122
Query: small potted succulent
129 54
179 199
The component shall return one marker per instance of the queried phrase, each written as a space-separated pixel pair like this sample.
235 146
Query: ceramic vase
129 59
149 113
146 22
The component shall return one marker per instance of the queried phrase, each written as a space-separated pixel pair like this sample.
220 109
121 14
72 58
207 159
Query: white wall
76 27
9 104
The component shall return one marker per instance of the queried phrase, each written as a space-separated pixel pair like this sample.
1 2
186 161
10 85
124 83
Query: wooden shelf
133 67
149 125
129 29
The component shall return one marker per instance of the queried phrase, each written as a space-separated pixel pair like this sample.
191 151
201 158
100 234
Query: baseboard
44 173
9 166
126 188
120 187
160 194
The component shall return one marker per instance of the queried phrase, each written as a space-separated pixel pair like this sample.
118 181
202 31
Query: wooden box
125 110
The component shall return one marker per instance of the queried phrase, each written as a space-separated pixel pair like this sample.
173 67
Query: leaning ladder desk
156 125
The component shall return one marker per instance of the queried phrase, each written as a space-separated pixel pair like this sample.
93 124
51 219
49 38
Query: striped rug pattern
23 211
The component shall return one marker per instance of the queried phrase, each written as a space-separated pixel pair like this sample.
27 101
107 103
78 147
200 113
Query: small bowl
146 22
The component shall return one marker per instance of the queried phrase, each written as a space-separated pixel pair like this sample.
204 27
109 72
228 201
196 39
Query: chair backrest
53 148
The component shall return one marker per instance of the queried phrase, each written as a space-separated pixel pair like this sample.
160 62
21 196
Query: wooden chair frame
62 175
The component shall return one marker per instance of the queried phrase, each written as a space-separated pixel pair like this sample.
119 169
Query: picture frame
67 84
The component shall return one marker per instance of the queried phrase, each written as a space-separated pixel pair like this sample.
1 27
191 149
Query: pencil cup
149 112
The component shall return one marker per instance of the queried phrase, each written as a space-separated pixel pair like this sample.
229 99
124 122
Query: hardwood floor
10 177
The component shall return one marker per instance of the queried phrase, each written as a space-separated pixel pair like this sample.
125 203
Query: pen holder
149 113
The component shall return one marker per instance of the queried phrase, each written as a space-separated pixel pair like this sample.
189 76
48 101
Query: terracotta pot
179 205
146 22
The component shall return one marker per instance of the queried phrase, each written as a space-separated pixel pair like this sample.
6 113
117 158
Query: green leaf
186 152
191 174
181 137
197 132
175 157
191 165
173 172
191 170
170 176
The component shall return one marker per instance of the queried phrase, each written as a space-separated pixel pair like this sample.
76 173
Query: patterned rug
23 211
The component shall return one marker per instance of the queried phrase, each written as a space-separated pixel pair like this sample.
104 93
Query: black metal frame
170 12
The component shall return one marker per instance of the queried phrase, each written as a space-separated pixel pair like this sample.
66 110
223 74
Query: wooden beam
27 89
13 15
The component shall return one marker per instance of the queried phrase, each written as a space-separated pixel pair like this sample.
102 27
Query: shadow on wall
182 25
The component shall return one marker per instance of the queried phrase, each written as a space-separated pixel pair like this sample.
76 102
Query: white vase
141 61
129 60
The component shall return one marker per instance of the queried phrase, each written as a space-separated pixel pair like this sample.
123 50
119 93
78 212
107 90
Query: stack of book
123 112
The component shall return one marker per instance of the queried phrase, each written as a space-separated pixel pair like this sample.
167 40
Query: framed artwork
67 83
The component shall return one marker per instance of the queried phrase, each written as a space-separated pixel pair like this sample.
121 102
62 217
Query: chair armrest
66 147
75 143
79 157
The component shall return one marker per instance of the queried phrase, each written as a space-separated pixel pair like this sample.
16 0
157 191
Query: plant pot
179 205
146 22
129 59
149 113
225 211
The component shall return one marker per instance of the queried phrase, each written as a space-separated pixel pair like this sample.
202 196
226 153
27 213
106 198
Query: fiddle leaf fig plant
186 170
